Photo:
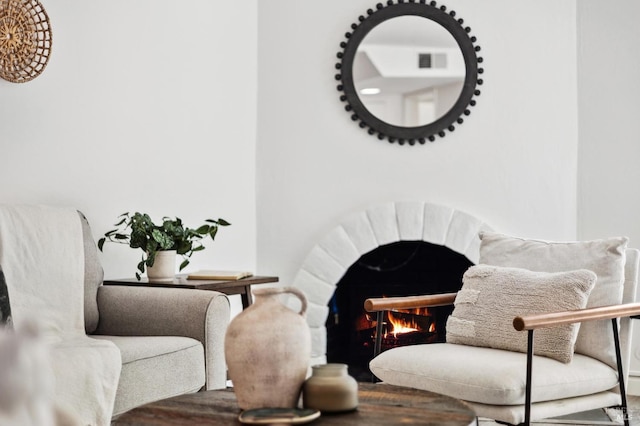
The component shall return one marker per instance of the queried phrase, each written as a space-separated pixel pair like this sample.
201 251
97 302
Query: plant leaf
204 229
165 241
220 222
184 247
183 264
138 239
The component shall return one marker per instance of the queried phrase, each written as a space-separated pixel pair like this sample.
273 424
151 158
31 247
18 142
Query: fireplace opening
403 268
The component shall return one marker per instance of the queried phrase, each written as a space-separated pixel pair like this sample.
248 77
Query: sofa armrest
151 311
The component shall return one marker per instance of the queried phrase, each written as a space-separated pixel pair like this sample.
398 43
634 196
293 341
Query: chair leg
377 348
527 401
621 384
623 391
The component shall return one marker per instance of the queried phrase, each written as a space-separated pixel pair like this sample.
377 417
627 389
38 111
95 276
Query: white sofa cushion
605 257
156 367
491 297
504 373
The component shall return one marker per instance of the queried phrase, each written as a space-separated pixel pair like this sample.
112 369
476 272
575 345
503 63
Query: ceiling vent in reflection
432 60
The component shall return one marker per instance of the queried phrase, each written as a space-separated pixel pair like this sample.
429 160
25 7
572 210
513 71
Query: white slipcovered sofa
112 347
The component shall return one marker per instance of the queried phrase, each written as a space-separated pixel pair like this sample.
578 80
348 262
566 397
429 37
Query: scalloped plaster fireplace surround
363 232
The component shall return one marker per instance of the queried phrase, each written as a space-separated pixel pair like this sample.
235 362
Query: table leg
246 297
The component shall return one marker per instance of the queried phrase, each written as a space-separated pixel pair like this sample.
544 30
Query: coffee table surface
379 404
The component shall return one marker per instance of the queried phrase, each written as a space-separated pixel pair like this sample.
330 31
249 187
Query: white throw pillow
491 297
605 257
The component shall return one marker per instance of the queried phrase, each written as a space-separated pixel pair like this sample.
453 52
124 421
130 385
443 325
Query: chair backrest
606 257
629 296
93 277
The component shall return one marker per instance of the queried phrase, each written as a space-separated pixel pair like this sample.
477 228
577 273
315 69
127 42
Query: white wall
512 163
609 94
145 105
153 105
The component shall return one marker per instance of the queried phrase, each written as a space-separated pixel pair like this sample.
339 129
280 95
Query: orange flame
402 325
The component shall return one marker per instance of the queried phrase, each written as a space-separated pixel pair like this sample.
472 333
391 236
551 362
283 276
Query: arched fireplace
403 268
397 225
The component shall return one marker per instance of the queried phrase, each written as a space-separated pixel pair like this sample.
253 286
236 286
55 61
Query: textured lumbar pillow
605 257
491 297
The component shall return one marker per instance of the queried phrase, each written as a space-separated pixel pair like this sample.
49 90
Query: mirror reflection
408 71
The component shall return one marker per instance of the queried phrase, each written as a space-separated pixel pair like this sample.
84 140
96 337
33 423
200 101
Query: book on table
212 274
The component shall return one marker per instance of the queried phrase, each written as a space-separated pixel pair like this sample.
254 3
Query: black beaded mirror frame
468 47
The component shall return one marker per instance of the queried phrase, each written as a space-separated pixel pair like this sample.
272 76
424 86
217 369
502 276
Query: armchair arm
532 322
535 321
409 302
520 323
151 311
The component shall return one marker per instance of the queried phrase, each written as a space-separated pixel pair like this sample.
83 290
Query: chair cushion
156 367
491 297
605 257
446 368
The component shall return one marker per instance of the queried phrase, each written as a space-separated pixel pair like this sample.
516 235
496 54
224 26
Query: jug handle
296 292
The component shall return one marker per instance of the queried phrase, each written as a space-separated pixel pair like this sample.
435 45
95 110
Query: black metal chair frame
623 392
530 349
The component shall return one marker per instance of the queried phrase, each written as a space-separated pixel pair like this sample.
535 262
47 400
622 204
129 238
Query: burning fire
401 324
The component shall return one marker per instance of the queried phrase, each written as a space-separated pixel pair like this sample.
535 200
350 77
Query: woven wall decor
25 40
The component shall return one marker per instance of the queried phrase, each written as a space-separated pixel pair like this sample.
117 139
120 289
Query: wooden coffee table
379 404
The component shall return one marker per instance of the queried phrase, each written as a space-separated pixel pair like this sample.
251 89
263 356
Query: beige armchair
113 348
570 360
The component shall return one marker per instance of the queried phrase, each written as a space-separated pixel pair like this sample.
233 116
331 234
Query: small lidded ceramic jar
330 389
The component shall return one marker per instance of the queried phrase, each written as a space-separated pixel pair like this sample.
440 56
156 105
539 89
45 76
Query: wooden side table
241 286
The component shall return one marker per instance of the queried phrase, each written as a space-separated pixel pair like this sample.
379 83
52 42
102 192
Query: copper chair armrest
408 302
532 322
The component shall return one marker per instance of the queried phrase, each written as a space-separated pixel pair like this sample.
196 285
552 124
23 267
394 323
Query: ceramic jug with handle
268 351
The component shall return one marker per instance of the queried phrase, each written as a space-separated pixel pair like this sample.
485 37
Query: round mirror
409 71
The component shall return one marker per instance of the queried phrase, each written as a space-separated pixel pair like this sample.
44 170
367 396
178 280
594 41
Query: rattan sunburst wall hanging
25 40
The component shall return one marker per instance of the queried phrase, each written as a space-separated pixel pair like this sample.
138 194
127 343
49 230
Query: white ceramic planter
164 267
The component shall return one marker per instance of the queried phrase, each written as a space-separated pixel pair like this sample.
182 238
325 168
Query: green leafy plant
138 231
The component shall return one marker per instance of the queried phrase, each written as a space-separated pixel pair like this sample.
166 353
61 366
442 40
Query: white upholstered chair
577 343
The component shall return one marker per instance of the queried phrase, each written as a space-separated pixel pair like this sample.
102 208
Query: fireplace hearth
403 268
